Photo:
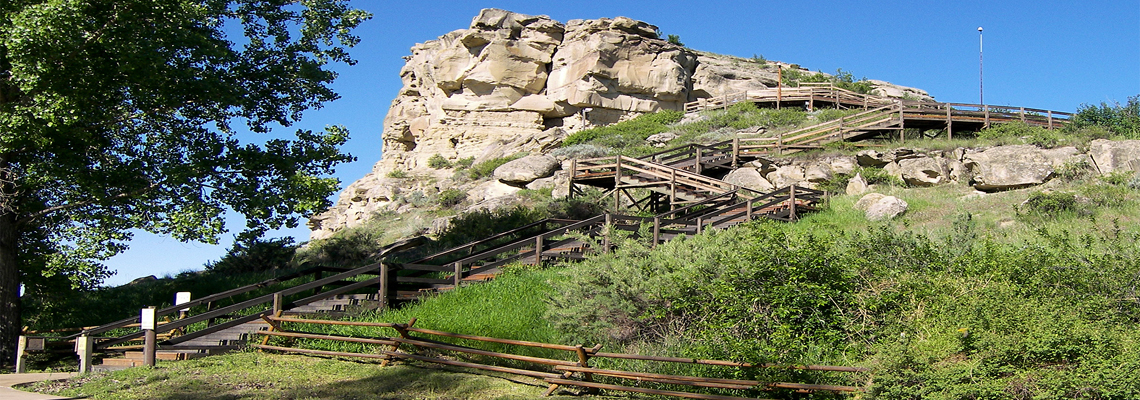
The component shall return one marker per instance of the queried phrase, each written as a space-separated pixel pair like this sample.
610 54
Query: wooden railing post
538 250
736 151
672 188
841 128
700 156
1050 119
84 347
573 172
387 286
606 233
150 338
21 347
457 271
792 200
1022 113
780 143
278 302
748 212
949 123
656 230
700 223
986 111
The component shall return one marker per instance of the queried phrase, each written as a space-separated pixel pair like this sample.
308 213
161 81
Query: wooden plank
730 363
331 322
516 371
567 382
468 350
632 375
385 341
494 340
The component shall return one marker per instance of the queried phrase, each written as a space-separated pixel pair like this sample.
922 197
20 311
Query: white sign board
147 318
180 298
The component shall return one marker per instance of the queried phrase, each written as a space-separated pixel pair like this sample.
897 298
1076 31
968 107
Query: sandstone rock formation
525 170
1113 156
748 177
887 207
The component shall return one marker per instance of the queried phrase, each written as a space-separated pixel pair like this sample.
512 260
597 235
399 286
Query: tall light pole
981 92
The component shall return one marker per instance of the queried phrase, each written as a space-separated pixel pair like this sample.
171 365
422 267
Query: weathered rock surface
527 169
1113 156
750 178
887 207
1008 167
864 203
857 185
924 171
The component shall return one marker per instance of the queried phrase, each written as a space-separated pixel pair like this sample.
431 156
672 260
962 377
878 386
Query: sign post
147 324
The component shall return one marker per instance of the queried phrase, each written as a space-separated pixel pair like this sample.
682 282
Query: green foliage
674 39
1034 135
451 198
102 132
256 255
740 116
487 168
1048 205
759 59
437 161
1122 120
398 174
879 176
463 163
625 136
841 79
1073 171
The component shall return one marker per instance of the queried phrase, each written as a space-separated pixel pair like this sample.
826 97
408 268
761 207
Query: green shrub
464 163
451 197
627 137
879 176
674 39
759 59
486 168
1049 204
1073 171
437 161
1034 135
580 151
1135 182
398 174
1121 120
256 255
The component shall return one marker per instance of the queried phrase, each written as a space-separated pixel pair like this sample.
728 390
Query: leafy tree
1122 120
120 115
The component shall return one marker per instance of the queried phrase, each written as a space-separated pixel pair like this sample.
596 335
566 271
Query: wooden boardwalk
952 117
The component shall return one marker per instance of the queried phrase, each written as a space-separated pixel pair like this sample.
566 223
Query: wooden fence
572 370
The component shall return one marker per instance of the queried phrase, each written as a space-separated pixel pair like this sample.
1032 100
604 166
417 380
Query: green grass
251 375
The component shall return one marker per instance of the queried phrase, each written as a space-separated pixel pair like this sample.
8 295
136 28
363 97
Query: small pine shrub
759 59
674 39
464 163
451 197
398 174
1049 204
437 161
486 168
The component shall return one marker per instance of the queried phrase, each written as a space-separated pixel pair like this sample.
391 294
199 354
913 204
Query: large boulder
867 200
887 207
527 169
1008 167
1115 156
925 171
787 175
750 178
857 185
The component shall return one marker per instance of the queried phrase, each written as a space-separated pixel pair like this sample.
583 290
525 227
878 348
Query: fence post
792 200
656 230
21 346
606 233
841 128
538 250
84 347
573 171
748 213
949 123
457 278
736 151
987 113
387 285
1050 119
780 143
700 222
150 339
278 302
700 155
1022 112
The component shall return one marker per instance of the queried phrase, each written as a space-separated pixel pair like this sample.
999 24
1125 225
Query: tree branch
38 214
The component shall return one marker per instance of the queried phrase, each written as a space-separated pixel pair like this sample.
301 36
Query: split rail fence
573 370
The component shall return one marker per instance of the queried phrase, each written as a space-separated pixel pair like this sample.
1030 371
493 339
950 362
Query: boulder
845 165
867 200
887 207
817 172
1115 156
750 178
857 185
525 170
1008 167
660 139
787 175
925 171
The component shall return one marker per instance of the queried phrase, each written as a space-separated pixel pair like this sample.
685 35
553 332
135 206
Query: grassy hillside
1027 293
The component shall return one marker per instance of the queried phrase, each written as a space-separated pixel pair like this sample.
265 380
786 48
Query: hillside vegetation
1021 294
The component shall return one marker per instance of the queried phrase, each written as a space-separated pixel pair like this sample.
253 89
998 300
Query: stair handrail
199 301
823 130
491 238
510 246
223 311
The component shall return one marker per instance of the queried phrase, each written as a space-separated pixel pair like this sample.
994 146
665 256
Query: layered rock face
513 83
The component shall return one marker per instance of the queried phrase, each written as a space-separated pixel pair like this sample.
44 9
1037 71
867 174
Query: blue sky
1048 55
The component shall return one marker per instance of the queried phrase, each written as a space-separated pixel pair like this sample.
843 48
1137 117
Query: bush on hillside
626 135
1121 120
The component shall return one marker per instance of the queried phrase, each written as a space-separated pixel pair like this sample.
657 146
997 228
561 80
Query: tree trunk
9 289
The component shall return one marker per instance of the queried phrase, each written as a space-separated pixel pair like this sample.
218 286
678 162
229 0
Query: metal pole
981 96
